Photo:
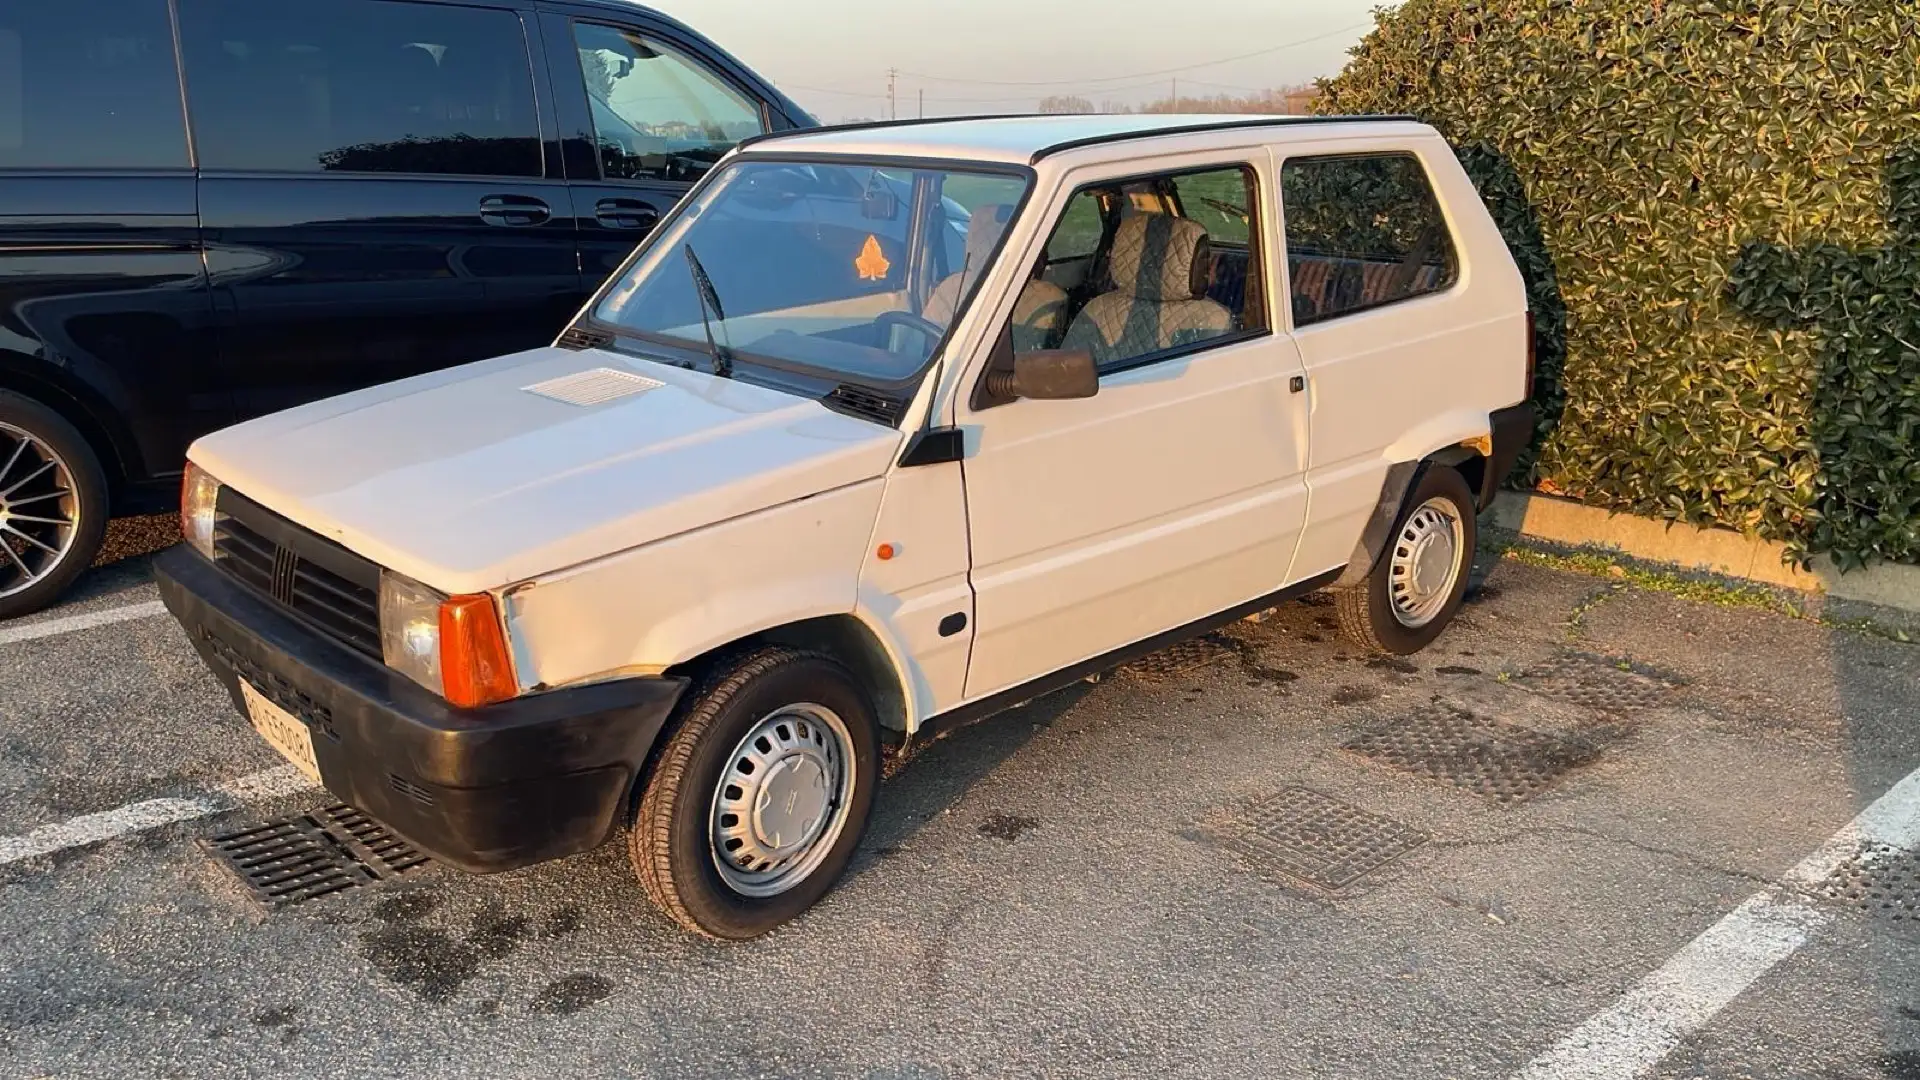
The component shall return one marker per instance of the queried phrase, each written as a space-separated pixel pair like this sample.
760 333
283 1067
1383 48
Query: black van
213 209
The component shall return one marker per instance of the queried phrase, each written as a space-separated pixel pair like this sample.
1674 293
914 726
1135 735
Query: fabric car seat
1160 267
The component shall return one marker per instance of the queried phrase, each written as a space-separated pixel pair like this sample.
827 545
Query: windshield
853 271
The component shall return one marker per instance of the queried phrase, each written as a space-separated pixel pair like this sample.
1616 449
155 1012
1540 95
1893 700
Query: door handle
625 214
514 210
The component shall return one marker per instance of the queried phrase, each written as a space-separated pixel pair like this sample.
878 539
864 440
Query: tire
1390 612
53 505
796 704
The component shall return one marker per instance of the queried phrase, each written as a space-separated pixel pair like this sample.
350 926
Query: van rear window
1363 231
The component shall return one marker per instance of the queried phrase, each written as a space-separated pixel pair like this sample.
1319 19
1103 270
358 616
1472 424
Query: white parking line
55 627
1633 1034
151 814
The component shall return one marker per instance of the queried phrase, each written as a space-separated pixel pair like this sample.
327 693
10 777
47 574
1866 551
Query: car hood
466 480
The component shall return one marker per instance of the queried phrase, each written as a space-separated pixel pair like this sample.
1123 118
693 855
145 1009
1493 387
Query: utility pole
892 112
1173 103
923 103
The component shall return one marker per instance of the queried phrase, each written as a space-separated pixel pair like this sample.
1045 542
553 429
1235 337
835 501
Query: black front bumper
481 789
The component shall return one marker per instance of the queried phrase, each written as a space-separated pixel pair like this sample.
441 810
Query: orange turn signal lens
475 668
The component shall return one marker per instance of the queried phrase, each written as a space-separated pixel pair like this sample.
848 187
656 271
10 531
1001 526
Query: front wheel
53 505
1416 586
759 795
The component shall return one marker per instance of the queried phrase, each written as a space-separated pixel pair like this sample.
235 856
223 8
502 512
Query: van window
360 86
1362 231
656 114
89 86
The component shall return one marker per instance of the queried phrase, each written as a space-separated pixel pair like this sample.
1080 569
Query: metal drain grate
1177 660
1881 881
1309 839
1596 683
310 855
1503 762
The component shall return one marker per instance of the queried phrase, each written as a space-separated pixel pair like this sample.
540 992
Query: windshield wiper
705 293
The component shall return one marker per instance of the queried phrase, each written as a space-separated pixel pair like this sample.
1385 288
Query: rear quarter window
1363 231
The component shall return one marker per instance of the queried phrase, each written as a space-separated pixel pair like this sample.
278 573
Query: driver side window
657 115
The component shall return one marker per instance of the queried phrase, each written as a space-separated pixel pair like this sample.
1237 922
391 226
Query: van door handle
514 210
625 214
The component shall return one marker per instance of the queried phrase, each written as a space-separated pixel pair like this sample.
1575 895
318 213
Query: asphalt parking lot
1595 829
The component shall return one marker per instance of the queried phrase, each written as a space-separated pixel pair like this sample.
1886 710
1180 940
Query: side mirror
1047 375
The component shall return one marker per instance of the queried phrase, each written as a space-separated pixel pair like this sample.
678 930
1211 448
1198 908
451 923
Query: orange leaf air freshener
871 264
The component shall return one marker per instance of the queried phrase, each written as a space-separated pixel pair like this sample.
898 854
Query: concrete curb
1716 551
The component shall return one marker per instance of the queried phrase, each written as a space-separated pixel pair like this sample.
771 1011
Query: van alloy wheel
1426 562
783 800
39 510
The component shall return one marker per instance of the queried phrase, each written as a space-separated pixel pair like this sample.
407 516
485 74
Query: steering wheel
932 330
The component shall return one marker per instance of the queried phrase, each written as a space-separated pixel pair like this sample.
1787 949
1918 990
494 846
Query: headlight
410 629
452 645
199 510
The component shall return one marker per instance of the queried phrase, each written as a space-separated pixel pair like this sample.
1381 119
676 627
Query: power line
1141 74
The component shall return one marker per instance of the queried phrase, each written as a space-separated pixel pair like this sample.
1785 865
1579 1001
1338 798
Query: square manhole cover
1596 683
1881 881
1307 838
1176 660
1503 762
291 859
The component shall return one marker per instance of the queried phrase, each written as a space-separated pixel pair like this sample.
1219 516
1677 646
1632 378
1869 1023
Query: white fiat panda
883 429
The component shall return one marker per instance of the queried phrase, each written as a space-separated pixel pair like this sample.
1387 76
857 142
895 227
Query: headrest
983 231
1159 257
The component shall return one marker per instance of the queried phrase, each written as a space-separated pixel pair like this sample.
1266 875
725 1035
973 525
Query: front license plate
282 730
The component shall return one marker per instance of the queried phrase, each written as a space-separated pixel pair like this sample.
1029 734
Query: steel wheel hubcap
1426 562
783 800
39 510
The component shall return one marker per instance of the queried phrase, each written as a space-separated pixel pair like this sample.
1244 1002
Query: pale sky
832 56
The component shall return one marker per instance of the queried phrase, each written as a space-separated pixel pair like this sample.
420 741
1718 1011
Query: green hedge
1717 207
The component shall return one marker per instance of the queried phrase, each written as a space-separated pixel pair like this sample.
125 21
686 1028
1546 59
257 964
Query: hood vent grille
865 404
595 387
581 337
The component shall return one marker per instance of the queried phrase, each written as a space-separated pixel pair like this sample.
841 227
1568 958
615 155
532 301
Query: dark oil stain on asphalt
1392 663
406 907
279 1018
428 962
1900 1064
496 935
1455 669
563 921
571 993
1482 593
1354 695
1910 1012
489 1009
1007 827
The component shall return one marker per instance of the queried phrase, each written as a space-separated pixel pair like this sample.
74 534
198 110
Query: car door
646 109
377 194
1378 308
1174 493
102 295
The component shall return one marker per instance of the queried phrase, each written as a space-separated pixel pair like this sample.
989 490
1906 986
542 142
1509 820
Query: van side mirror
1047 375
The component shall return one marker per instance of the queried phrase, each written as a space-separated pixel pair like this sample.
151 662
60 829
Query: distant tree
593 65
1116 107
1286 100
1065 103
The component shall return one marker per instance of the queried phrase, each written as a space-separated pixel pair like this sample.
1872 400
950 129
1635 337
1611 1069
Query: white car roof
1023 139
